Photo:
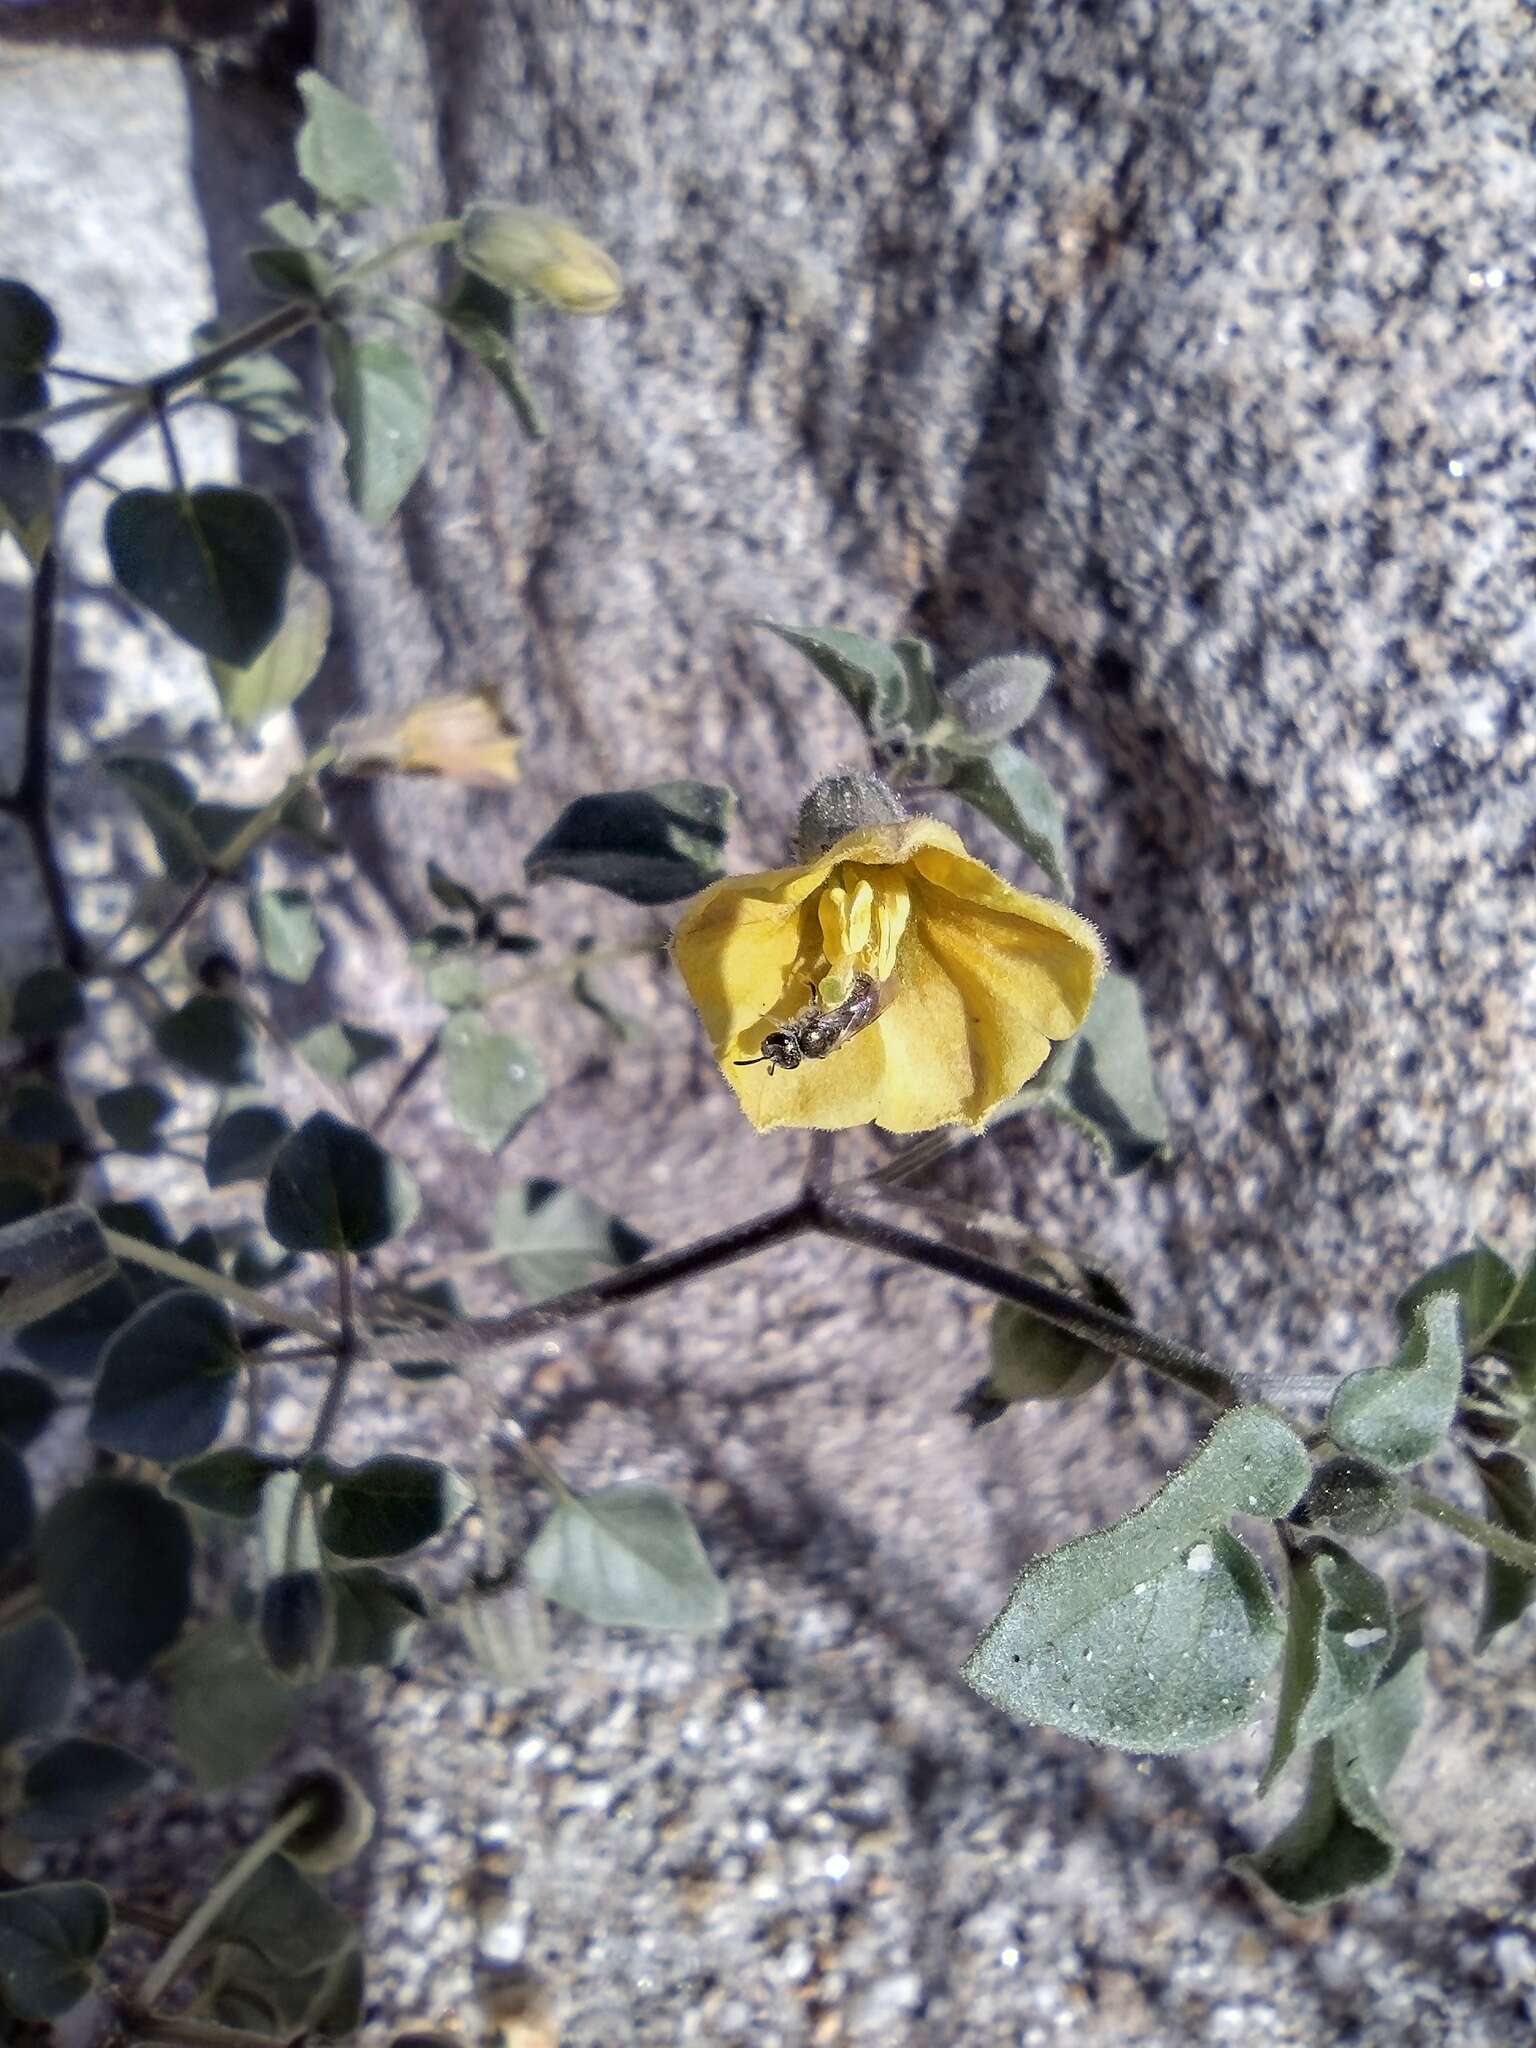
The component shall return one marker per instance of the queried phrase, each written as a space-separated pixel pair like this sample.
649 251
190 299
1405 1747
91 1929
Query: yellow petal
737 947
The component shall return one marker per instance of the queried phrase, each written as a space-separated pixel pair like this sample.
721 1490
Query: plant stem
1180 1363
175 1958
1500 1543
174 2028
225 863
407 1082
30 804
190 1274
475 1334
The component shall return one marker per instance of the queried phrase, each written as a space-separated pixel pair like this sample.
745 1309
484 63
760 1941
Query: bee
815 1033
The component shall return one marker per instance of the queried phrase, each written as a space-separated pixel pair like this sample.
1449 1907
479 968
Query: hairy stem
1500 1543
135 1252
164 1973
1180 1363
476 1334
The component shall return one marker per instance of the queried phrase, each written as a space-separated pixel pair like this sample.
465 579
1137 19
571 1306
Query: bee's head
780 1049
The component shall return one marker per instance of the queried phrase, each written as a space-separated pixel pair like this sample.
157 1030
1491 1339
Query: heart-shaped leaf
390 1505
385 409
556 1238
228 1711
653 845
72 1787
284 669
344 157
214 1037
167 1378
29 484
29 334
629 1557
212 563
50 1937
38 1670
1007 787
494 1079
132 1115
333 1188
114 1560
288 932
243 1145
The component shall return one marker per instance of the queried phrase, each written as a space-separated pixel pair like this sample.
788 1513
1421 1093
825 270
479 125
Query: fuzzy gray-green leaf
1007 787
50 1937
1159 1632
494 1079
653 845
627 1556
167 1378
385 409
212 563
555 1238
1396 1415
333 1188
1339 1635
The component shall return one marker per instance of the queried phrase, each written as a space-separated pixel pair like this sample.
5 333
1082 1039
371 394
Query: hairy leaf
390 1505
167 1378
654 845
254 691
1110 1090
333 1188
556 1238
114 1560
1159 1632
212 563
385 409
494 1079
1396 1415
50 1937
1339 1635
344 157
73 1786
228 1711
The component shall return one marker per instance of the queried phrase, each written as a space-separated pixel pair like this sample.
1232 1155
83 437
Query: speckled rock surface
1188 344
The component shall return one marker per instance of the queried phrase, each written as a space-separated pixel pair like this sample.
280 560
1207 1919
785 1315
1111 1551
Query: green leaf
288 932
1513 1336
343 155
214 1037
264 395
72 1787
1110 1090
29 334
1007 787
132 1115
286 666
165 800
114 1560
1159 1632
494 1079
291 224
456 897
40 1115
68 1342
16 1506
1481 1281
333 1188
29 483
47 1003
289 273
167 1379
48 1261
27 1406
556 1238
483 319
38 1670
297 1625
228 1712
385 409
376 1612
1397 1414
872 677
227 1482
1033 1360
243 1145
339 1051
1339 1635
1510 1493
390 1505
1341 1839
627 1556
212 563
50 1937
456 982
653 845
284 1920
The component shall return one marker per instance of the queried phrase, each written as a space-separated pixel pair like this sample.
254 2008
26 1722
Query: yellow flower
976 979
461 738
521 249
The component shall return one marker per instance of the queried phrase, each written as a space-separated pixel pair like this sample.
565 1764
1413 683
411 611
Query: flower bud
461 738
996 696
520 249
840 804
1352 1497
297 1625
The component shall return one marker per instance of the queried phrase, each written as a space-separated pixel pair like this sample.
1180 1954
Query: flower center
862 913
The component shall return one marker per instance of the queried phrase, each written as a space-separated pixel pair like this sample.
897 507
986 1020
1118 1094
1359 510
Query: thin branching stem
1500 1543
135 1252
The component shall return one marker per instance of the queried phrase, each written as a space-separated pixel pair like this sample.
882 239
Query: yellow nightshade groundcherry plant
886 977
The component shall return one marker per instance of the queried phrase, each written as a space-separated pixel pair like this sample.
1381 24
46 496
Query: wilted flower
461 738
520 249
974 979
